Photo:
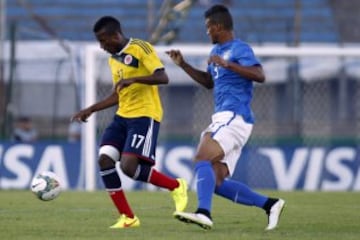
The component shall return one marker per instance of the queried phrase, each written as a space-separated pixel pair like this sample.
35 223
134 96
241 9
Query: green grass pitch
82 215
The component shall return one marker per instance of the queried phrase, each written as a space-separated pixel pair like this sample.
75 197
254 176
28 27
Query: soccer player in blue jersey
232 70
131 137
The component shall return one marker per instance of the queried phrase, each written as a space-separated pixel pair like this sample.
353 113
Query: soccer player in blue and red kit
131 137
232 70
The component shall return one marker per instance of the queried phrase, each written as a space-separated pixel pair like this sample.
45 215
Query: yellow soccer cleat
126 222
180 196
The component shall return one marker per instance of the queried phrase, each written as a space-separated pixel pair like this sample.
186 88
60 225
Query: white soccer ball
46 186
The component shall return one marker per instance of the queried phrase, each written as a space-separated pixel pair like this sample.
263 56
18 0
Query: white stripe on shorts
148 140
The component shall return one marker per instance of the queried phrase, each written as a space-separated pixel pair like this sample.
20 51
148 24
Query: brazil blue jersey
231 91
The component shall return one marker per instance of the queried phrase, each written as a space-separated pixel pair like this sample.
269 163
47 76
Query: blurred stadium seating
319 20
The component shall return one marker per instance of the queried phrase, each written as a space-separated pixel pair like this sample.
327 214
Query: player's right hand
81 116
176 56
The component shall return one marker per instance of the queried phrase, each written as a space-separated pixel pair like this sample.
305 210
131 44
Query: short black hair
109 23
219 14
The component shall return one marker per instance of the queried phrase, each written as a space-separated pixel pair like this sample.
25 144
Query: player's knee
201 156
127 170
208 155
209 150
107 156
105 162
129 166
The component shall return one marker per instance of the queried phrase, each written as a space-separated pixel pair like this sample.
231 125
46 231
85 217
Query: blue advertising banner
19 162
324 168
320 168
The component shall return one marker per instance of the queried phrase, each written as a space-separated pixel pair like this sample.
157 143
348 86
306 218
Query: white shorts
231 132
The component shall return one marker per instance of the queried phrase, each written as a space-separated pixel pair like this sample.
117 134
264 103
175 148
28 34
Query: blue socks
205 184
240 193
230 189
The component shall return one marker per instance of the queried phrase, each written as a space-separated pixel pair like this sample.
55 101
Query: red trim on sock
120 202
161 180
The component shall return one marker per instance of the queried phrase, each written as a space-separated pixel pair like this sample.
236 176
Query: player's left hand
218 60
123 83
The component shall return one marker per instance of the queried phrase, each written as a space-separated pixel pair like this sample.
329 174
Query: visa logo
318 168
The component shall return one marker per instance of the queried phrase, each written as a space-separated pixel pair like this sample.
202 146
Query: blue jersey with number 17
233 92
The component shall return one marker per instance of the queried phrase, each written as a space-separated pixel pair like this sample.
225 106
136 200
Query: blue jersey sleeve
246 56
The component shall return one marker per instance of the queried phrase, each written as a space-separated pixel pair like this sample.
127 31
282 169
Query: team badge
128 59
226 55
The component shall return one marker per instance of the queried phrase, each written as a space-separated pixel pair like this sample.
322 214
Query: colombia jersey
137 59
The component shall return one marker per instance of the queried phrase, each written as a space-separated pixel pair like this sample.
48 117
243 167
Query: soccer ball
46 186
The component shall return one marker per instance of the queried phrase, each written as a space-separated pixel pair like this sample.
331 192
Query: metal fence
301 105
306 100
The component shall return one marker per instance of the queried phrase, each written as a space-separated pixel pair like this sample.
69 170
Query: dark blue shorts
135 136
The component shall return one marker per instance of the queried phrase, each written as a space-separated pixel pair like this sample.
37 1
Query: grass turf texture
82 215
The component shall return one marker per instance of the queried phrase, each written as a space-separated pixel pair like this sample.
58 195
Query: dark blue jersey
232 92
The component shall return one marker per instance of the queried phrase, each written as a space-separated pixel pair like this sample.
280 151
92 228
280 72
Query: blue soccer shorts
135 136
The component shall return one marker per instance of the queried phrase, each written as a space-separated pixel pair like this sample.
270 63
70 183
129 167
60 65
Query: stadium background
307 104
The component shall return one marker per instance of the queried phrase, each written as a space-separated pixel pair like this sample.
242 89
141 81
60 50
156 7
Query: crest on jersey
128 59
226 55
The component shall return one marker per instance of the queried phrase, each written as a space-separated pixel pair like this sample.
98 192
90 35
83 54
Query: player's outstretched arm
83 114
204 78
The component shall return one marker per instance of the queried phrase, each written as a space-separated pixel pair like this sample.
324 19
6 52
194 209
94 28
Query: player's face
109 42
213 30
